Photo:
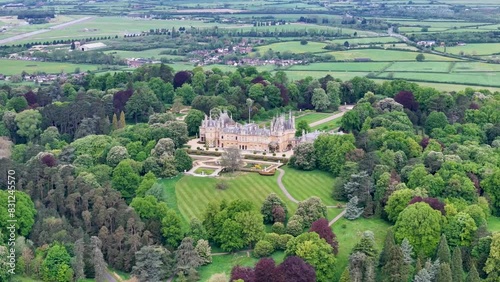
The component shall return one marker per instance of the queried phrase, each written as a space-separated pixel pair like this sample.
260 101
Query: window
222 137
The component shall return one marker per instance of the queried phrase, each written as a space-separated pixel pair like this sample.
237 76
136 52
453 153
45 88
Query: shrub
294 227
283 155
278 228
264 153
254 152
283 240
274 154
263 248
222 185
216 149
272 238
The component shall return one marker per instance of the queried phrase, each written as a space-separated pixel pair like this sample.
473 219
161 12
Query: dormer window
222 137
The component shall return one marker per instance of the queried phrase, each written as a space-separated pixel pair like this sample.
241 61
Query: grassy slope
494 224
294 47
385 55
349 236
303 184
312 117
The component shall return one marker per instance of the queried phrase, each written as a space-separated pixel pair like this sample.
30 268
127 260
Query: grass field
475 67
328 125
304 184
21 26
340 66
473 49
349 236
294 47
151 53
427 67
312 117
10 67
494 224
366 40
448 87
385 55
297 75
487 79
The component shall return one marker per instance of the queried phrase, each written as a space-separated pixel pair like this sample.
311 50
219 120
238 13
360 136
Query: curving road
343 110
29 34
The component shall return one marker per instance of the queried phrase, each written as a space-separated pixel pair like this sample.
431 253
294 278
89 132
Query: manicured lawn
224 263
10 67
349 236
294 47
494 224
304 184
312 117
202 170
328 125
420 66
344 67
385 55
194 193
171 196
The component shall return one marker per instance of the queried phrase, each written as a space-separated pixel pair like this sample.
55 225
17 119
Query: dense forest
87 152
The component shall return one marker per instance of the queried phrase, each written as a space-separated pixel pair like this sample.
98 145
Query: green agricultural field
341 67
428 67
366 40
475 67
304 184
297 75
151 53
10 67
312 117
447 86
224 263
486 79
348 233
385 55
21 26
494 224
473 49
294 47
111 26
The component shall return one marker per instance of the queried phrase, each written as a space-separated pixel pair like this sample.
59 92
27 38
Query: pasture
385 55
475 67
427 67
151 53
477 78
10 67
473 49
300 74
293 47
341 67
366 40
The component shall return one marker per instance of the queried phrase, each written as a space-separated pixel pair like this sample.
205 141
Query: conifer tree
121 123
407 249
186 256
115 122
345 276
473 275
388 245
418 266
395 269
443 251
456 265
444 274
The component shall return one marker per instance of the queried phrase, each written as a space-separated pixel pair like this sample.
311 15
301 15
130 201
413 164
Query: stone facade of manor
224 132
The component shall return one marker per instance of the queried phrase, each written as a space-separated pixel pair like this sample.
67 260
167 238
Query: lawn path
336 218
36 32
291 198
343 110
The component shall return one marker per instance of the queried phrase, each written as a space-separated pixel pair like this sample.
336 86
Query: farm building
92 46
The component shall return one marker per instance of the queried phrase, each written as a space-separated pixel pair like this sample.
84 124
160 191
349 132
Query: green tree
125 179
490 184
17 104
492 266
397 202
315 251
28 122
444 274
473 275
331 150
183 161
186 256
420 57
141 103
333 91
302 125
460 229
435 120
320 100
204 251
56 264
171 228
153 263
24 212
443 251
389 243
193 121
196 230
147 182
395 269
421 225
272 201
457 270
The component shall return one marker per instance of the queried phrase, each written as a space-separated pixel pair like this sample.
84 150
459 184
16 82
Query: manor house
224 132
